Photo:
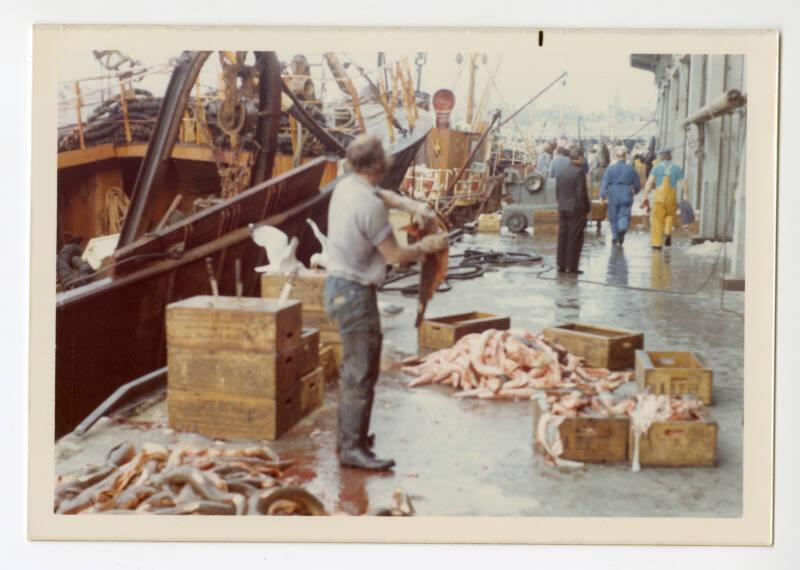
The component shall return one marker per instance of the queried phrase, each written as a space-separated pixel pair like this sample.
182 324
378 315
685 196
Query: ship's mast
471 90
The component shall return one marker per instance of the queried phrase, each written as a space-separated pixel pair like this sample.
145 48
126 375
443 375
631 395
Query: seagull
319 259
281 252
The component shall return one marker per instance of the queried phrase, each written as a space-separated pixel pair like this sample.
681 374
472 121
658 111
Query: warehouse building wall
712 154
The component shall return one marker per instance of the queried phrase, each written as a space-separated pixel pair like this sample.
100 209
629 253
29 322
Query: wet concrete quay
476 457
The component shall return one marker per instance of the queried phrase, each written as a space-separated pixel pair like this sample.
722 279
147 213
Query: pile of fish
154 479
642 409
507 365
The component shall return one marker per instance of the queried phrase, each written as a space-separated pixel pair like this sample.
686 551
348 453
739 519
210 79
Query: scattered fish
185 480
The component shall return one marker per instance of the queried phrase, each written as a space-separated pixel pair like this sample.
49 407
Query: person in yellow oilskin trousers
665 178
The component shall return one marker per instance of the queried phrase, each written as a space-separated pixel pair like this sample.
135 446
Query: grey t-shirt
358 221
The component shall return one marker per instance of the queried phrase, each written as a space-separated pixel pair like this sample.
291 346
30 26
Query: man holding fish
362 243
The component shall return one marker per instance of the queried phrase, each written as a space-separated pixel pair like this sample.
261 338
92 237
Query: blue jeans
354 309
352 306
619 211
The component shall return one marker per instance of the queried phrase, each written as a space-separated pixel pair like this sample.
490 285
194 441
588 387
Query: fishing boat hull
112 331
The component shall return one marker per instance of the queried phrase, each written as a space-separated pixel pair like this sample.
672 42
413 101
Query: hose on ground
471 264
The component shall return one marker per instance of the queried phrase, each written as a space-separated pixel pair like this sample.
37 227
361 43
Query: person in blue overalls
620 184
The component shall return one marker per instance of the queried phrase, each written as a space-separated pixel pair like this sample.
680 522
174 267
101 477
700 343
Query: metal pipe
126 392
726 103
534 98
700 154
239 287
269 103
304 118
470 158
159 149
172 207
212 278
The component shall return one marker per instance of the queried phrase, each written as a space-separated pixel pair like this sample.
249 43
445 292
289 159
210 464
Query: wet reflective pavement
475 457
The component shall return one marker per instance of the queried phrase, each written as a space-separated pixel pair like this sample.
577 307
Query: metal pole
727 102
534 98
142 385
469 159
640 129
303 117
123 101
471 92
78 104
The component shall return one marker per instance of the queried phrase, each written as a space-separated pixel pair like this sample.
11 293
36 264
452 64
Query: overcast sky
594 80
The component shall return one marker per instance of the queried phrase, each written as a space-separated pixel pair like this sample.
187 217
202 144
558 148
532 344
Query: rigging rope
116 206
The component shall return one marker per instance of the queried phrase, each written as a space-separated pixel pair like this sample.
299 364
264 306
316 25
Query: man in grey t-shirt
359 221
361 243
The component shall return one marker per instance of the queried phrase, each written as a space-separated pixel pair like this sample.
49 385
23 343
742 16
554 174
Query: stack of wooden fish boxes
677 444
309 289
606 440
240 367
593 440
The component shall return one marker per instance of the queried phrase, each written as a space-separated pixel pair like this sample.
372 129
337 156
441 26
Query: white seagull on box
319 259
281 252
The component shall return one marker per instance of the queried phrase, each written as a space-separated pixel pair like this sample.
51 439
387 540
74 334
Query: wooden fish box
308 288
590 440
225 416
599 211
444 332
545 230
678 444
545 222
330 361
601 347
235 372
312 390
309 357
674 373
544 216
692 229
231 323
489 223
640 221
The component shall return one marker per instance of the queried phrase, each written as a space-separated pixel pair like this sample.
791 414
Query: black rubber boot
668 241
621 239
370 443
356 394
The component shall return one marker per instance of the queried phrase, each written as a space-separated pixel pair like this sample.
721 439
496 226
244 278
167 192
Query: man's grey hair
365 154
575 152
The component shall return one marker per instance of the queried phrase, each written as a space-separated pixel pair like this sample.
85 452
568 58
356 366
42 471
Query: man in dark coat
573 207
559 162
